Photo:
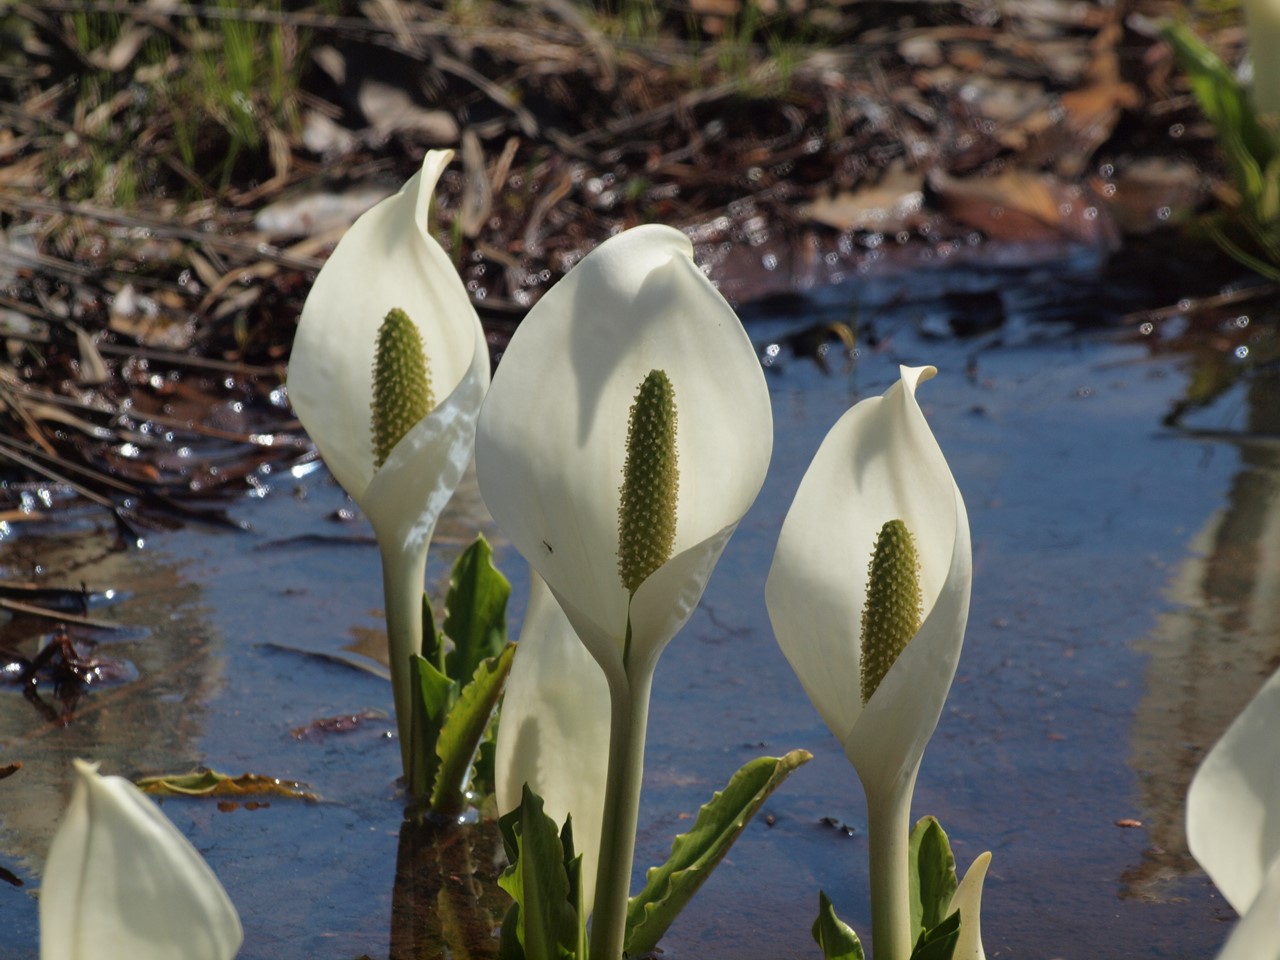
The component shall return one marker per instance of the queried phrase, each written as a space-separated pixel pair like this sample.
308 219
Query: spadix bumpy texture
401 384
121 881
650 483
891 614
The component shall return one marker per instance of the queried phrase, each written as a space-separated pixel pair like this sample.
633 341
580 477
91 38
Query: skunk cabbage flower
121 881
875 644
555 728
1233 815
400 458
627 431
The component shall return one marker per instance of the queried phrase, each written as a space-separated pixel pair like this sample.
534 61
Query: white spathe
554 734
551 440
968 900
388 259
1262 22
1233 805
879 462
121 881
1257 935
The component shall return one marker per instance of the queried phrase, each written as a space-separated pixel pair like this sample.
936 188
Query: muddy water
1126 599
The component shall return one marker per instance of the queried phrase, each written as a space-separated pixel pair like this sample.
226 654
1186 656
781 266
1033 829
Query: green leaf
573 870
938 943
433 693
475 610
834 936
932 875
545 922
694 854
1220 95
484 771
464 727
432 639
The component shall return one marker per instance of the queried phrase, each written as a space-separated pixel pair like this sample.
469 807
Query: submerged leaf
211 783
694 854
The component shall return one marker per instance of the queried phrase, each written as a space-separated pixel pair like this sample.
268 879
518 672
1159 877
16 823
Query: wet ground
1125 607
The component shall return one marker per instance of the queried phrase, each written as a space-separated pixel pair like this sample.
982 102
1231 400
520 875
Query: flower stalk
628 728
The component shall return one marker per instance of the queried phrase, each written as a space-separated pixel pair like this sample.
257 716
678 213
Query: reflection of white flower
550 449
1233 823
879 463
388 260
121 881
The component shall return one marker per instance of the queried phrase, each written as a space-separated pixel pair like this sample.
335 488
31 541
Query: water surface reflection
1060 724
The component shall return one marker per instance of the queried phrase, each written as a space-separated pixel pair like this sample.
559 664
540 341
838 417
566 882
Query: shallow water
1125 606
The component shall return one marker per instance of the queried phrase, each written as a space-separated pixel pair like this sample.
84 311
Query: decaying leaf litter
152 268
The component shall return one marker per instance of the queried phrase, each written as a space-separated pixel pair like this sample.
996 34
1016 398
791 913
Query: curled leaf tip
401 383
894 609
650 483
